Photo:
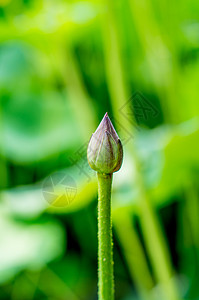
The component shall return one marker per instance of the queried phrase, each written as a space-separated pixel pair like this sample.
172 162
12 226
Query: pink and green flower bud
105 153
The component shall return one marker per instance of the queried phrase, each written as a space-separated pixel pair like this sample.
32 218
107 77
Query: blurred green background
63 64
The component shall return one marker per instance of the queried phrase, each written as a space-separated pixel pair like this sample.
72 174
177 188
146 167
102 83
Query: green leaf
28 246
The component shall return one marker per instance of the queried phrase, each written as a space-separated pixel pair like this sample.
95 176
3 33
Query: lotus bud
105 153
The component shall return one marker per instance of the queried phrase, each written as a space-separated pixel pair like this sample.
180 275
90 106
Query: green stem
105 253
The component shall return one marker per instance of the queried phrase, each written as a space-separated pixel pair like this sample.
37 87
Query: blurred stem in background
82 105
3 172
32 280
188 223
134 254
39 282
77 95
3 161
153 235
192 210
160 60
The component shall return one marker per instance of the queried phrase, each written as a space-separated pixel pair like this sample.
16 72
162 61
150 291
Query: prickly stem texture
105 252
